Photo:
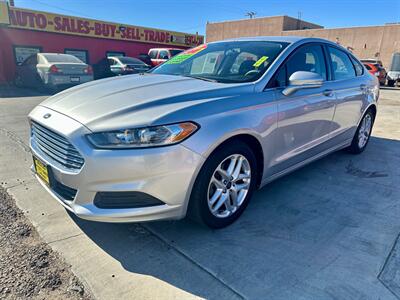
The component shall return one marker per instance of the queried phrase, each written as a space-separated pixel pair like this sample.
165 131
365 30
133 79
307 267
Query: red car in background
160 55
378 71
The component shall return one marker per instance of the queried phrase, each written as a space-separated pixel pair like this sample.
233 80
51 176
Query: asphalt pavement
326 231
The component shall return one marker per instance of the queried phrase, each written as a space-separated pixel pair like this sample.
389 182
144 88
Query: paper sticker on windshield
185 55
260 61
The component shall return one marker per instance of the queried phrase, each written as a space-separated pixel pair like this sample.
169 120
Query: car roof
286 39
50 53
166 49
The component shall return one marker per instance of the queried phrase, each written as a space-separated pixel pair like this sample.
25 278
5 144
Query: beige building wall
248 27
290 23
365 42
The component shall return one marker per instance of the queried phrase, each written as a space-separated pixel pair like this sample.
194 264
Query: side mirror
303 80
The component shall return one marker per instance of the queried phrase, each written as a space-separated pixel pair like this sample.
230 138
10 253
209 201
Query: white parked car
52 71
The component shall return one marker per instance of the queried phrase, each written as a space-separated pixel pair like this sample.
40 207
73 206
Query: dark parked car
127 65
144 57
52 71
102 69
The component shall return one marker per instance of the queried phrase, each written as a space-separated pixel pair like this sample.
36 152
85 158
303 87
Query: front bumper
165 173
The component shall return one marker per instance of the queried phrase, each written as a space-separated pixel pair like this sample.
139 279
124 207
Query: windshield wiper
201 78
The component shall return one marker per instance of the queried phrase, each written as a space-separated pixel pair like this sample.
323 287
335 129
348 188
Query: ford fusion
200 133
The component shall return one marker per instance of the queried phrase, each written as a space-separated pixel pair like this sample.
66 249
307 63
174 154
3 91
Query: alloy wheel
229 186
365 131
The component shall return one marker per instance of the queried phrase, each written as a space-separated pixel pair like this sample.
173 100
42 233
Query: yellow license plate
41 170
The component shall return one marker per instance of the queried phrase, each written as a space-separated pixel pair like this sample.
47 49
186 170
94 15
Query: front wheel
363 133
390 83
224 185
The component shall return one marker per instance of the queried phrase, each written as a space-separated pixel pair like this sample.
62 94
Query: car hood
139 100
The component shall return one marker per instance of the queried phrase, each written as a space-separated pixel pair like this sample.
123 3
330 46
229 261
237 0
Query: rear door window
342 66
357 66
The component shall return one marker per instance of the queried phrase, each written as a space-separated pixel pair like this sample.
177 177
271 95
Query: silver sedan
197 135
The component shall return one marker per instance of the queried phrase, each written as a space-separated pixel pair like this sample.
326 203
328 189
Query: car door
304 120
350 91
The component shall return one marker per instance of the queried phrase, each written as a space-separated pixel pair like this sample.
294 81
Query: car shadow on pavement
323 230
10 91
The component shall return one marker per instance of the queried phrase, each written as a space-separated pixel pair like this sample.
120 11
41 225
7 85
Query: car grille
56 147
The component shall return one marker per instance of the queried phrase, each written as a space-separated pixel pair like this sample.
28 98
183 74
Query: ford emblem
46 116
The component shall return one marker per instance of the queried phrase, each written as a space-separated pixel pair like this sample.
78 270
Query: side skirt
305 162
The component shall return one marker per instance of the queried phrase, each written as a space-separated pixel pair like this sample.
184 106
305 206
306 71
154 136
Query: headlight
143 137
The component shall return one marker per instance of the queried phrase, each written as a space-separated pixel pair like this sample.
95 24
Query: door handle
328 93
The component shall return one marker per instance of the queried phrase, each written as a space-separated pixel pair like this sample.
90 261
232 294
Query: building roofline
341 28
247 19
265 17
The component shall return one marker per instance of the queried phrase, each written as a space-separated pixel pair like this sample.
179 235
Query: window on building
21 53
83 55
115 54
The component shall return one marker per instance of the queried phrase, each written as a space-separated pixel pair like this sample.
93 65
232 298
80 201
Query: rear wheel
390 82
224 186
363 133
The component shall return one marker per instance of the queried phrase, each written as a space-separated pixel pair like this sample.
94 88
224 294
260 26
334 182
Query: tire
390 83
363 133
204 191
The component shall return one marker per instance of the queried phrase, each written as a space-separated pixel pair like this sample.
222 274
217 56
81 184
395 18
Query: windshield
227 62
61 58
130 60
